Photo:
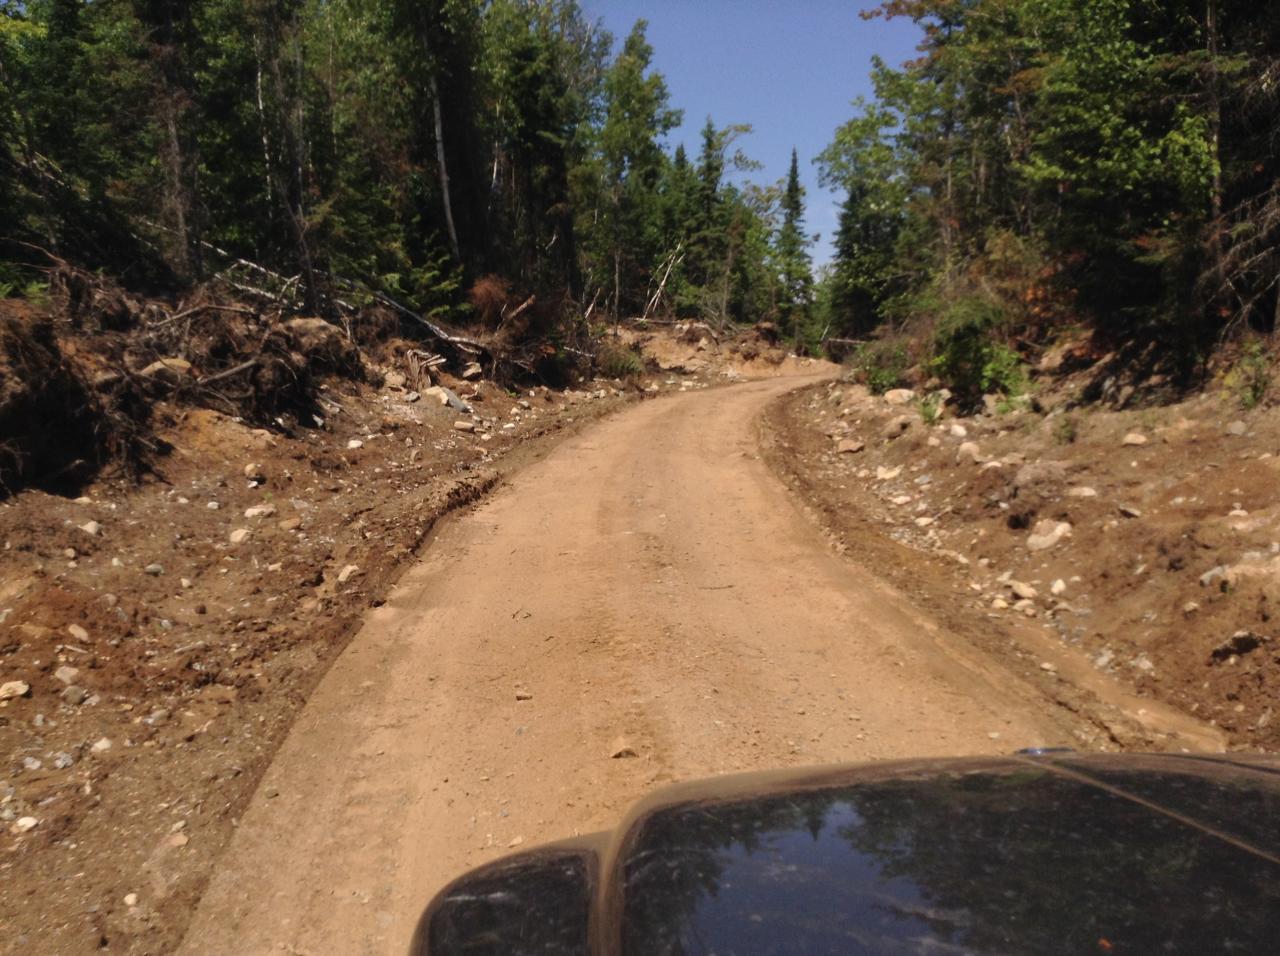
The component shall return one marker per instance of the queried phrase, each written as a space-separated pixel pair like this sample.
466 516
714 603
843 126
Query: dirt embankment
160 628
1094 549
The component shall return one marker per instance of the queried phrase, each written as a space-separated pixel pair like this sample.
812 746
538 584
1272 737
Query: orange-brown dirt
1165 580
164 660
279 729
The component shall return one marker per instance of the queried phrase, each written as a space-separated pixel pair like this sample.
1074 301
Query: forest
1042 165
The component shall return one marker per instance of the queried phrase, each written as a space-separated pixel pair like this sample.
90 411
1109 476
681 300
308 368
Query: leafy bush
1250 377
616 361
969 355
880 365
1066 430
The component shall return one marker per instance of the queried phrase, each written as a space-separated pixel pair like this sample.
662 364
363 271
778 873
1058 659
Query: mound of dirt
51 433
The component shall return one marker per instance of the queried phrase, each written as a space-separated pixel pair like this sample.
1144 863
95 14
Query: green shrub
930 409
969 355
1250 377
880 365
1066 430
615 361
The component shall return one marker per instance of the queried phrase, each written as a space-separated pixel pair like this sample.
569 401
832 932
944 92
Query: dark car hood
1052 854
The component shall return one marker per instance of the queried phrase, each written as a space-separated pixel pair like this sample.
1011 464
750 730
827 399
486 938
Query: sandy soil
647 604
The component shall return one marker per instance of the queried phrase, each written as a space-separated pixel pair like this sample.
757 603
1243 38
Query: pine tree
795 267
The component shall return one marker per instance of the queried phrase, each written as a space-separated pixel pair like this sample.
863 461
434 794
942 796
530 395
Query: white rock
67 674
956 430
260 511
102 745
131 899
1081 491
91 527
254 472
850 446
11 690
239 536
887 474
213 506
25 824
347 573
1047 533
968 452
1135 439
464 426
899 396
1023 592
354 444
78 632
1058 587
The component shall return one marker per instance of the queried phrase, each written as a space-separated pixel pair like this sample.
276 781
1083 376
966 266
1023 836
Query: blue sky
788 69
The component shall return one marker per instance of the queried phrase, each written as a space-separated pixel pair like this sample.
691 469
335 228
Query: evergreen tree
795 267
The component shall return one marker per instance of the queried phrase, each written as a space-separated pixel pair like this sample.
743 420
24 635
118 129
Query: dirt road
652 581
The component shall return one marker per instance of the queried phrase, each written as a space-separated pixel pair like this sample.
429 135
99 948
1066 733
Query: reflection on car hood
1051 854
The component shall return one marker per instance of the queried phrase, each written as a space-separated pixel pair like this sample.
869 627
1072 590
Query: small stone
621 750
239 536
62 760
1130 512
12 690
74 695
1135 439
213 506
1047 533
347 573
956 430
887 474
354 444
254 473
968 452
91 527
177 840
395 379
1190 608
1081 491
101 745
897 426
186 583
933 441
899 396
472 371
464 426
78 632
25 824
260 511
1237 428
1024 592
1000 604
32 764
850 446
290 524
924 521
131 899
1046 666
412 397
155 570
1058 587
66 674
523 695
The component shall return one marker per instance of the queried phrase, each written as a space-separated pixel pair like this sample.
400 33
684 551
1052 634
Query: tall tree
794 264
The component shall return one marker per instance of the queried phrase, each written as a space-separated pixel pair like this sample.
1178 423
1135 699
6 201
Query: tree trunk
438 118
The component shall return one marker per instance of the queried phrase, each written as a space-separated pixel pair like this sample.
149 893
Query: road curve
650 580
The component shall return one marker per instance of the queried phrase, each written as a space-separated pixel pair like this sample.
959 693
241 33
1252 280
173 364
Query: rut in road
651 580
